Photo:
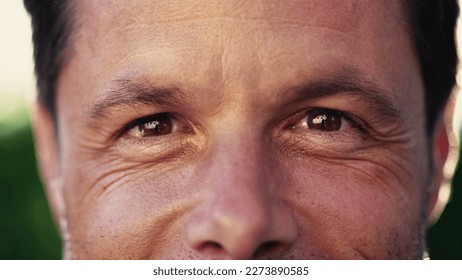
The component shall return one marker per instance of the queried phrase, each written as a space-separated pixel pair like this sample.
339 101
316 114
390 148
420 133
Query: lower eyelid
299 144
346 132
155 150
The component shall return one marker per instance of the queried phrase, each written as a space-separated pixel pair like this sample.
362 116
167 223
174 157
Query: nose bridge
237 180
237 156
237 213
236 205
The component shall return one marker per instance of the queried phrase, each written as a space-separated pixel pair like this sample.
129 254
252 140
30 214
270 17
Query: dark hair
432 24
52 27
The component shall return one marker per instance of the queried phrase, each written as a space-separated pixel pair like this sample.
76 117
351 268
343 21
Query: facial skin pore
240 167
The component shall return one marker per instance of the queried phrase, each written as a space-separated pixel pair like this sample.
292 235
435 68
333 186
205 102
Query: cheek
129 212
342 209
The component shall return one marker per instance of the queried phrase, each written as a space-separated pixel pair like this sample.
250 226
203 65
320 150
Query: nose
241 215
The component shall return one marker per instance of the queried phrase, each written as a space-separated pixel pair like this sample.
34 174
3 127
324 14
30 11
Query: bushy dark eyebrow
123 92
352 84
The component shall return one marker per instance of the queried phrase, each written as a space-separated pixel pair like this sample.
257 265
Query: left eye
155 125
323 120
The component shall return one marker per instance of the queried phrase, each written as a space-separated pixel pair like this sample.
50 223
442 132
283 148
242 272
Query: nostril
267 249
211 247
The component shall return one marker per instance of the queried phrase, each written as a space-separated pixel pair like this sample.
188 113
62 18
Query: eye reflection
324 120
156 125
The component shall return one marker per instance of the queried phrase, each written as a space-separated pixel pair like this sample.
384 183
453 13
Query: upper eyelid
127 91
350 82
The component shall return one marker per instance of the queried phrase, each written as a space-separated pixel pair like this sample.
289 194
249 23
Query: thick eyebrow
352 84
123 92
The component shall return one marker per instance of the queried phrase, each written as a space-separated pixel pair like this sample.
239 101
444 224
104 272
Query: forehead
222 44
330 13
188 23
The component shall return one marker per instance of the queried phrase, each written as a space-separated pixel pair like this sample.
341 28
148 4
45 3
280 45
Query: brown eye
324 120
156 125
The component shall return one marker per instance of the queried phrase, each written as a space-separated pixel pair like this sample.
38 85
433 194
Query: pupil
160 124
324 120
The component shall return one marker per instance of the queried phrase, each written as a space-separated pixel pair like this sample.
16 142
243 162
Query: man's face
241 129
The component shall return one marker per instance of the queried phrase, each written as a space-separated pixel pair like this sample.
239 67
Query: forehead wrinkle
171 10
164 13
123 92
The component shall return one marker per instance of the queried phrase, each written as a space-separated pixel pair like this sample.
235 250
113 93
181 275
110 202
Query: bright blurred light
16 66
457 122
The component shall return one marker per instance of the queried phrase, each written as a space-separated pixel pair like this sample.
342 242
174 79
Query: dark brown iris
156 125
324 120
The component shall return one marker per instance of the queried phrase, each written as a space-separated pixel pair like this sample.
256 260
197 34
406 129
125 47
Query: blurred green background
26 227
445 236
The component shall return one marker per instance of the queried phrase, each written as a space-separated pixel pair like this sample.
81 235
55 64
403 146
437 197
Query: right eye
324 120
152 126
